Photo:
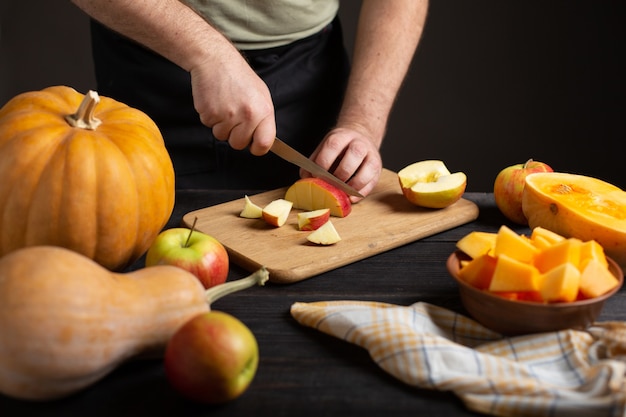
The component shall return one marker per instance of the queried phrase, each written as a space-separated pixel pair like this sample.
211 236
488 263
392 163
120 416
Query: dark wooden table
302 372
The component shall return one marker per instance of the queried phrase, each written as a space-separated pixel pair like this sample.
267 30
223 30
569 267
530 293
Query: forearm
388 34
168 27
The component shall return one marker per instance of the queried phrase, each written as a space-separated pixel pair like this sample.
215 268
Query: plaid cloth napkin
566 373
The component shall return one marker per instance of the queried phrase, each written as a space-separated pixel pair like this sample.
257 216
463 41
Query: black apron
307 81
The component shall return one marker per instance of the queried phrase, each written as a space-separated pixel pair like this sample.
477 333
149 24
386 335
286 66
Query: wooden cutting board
382 221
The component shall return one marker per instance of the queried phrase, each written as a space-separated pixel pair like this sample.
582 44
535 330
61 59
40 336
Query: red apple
277 212
312 220
509 187
212 358
201 254
314 194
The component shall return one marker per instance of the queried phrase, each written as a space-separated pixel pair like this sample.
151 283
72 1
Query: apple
277 212
509 187
199 253
212 358
314 194
430 184
312 220
326 234
250 210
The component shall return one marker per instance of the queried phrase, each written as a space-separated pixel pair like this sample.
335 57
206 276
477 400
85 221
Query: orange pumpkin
578 206
83 172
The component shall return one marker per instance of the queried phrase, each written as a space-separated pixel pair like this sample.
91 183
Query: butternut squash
578 206
66 321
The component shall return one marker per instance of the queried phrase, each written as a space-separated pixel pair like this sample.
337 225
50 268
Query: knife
289 154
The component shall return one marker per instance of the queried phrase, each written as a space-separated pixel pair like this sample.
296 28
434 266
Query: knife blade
289 154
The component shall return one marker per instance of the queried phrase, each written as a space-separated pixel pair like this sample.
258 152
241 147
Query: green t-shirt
259 24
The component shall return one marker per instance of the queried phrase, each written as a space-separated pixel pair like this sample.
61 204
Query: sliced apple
325 235
276 212
315 193
251 210
430 184
312 220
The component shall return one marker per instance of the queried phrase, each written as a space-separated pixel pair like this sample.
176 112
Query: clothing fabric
306 78
568 373
262 24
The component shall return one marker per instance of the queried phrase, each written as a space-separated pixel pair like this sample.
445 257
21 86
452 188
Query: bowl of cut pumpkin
516 284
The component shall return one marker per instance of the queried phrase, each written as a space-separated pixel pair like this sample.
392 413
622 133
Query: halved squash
578 206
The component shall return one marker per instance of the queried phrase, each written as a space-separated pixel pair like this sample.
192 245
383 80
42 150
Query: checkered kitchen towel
567 373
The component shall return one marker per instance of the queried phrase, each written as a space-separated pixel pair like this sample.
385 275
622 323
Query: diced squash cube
591 249
478 271
514 245
566 251
512 275
546 235
477 243
596 279
560 284
541 242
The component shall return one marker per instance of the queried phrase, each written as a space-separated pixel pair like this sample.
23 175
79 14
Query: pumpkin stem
84 118
259 277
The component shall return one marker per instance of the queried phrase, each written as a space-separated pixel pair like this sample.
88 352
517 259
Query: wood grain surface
382 221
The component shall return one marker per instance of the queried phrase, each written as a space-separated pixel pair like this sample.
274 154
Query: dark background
493 82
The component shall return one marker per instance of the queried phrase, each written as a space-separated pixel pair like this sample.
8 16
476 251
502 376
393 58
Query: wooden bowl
513 317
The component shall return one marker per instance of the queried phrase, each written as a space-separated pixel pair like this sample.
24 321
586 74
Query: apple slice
276 212
312 220
251 210
325 235
315 193
430 184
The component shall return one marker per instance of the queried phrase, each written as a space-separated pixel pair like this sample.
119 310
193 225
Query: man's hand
235 103
227 94
387 35
352 157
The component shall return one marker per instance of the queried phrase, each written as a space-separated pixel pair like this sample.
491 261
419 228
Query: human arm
228 96
387 36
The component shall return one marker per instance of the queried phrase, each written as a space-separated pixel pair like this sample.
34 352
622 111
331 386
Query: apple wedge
251 210
312 220
276 212
325 235
430 184
315 193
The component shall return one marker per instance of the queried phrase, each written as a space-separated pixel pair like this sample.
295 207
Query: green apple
508 188
199 253
212 358
430 184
